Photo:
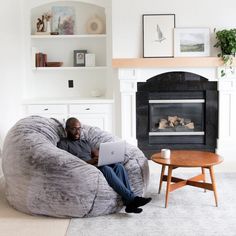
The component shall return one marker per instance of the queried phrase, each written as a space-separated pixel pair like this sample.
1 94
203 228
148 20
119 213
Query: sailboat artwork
159 35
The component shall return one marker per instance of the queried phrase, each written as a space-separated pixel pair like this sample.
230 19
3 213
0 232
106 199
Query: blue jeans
117 178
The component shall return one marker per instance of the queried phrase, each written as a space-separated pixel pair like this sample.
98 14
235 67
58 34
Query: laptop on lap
111 153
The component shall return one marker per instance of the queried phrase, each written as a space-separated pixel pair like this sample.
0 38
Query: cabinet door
99 115
98 120
58 112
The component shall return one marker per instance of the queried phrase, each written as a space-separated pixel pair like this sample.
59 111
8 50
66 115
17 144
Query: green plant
226 41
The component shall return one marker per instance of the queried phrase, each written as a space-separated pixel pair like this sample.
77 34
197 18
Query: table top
188 158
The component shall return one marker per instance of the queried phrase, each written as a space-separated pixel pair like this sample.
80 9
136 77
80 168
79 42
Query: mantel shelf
168 62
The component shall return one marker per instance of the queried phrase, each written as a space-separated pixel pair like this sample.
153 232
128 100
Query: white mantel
128 78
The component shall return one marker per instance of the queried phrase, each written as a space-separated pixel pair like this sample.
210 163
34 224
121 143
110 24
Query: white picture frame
191 42
158 35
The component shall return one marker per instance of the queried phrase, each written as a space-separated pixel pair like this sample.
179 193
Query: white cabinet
47 110
97 113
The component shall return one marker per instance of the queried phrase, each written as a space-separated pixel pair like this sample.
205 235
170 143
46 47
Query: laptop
111 152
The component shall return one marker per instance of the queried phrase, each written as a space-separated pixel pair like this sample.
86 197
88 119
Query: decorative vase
95 25
96 93
48 27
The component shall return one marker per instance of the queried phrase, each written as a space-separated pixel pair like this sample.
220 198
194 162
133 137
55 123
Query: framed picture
158 35
191 42
79 57
63 19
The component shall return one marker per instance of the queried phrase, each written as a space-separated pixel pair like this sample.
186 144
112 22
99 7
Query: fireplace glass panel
176 117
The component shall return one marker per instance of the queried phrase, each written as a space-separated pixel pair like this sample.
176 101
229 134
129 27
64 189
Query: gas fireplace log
190 125
163 124
174 122
172 119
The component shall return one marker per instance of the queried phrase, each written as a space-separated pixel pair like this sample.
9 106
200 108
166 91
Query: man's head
73 128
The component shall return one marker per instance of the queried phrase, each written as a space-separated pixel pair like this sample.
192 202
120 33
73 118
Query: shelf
68 36
69 68
168 62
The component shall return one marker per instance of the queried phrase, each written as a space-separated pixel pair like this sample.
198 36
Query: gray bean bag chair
43 179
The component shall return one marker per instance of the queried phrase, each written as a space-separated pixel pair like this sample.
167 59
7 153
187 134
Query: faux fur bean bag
43 179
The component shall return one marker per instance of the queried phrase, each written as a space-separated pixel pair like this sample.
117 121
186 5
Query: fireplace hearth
176 110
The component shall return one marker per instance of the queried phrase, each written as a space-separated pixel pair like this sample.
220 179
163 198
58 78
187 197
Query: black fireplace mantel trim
177 81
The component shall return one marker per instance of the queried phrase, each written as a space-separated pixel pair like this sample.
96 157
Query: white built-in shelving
47 90
53 81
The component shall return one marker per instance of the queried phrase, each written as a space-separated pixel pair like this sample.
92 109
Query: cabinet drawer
45 109
89 108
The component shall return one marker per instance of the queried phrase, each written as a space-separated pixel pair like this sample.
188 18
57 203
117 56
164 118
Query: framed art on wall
191 42
158 35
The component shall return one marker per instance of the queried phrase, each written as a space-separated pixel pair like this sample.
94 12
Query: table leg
204 177
161 178
168 184
213 184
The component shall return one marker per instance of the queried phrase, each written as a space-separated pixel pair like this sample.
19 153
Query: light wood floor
15 223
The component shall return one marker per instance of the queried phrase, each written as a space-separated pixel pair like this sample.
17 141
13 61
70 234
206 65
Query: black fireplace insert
177 110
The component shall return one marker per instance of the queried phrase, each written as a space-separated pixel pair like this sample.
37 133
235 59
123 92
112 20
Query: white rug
190 212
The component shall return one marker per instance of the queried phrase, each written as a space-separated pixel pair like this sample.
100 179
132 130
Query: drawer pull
87 109
45 109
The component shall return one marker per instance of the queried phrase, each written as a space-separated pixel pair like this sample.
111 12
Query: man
115 174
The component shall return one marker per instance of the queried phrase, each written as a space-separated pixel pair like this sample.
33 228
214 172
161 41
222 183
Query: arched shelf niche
84 11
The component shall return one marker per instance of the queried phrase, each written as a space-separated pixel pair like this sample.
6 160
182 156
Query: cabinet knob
87 109
45 109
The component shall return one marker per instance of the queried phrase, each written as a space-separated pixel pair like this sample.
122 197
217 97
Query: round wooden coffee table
188 158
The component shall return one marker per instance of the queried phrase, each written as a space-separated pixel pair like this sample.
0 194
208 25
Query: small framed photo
158 35
79 57
191 42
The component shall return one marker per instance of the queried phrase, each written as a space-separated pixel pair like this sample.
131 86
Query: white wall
11 64
127 19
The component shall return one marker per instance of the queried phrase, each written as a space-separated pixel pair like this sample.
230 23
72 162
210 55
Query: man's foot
130 209
140 201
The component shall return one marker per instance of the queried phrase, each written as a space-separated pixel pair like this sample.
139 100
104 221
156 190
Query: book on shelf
40 59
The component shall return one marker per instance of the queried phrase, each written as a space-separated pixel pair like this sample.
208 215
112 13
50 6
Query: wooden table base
174 183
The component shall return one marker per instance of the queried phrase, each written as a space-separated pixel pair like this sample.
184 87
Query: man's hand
93 161
95 153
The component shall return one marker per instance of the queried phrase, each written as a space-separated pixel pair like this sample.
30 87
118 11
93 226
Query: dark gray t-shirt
79 148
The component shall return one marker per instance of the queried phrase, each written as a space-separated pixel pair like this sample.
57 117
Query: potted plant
226 41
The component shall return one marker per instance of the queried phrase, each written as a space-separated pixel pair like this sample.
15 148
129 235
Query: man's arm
94 156
62 145
94 153
93 161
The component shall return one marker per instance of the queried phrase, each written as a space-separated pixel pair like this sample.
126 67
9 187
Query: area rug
190 212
